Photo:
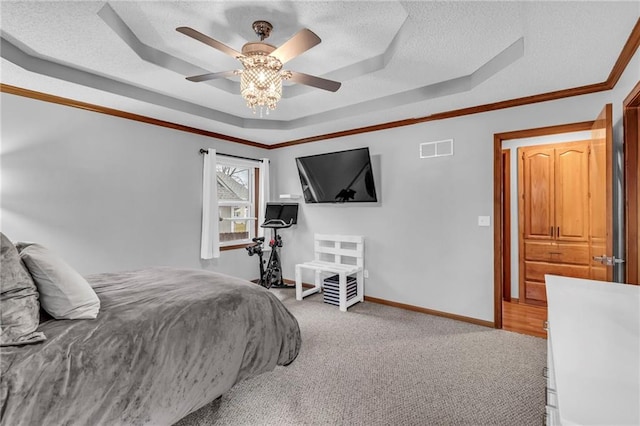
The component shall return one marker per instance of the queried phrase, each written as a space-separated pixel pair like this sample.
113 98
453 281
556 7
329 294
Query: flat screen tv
337 177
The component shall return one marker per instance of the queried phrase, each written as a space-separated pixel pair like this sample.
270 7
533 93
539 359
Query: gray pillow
64 293
19 306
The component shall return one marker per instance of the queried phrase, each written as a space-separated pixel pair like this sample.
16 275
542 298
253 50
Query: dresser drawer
573 253
537 251
535 271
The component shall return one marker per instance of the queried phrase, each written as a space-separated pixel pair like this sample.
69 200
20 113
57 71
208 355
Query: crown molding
14 90
625 56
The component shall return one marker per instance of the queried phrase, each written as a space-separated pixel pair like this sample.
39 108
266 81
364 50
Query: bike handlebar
276 223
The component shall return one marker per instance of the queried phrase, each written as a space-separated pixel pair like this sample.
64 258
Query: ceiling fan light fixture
262 74
261 81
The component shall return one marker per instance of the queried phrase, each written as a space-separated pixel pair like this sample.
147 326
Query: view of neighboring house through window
237 195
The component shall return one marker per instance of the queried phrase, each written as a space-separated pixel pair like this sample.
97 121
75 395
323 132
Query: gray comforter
165 343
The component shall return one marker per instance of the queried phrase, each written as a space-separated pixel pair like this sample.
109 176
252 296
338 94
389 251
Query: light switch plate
484 220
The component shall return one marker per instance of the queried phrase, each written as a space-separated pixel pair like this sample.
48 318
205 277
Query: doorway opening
528 317
525 157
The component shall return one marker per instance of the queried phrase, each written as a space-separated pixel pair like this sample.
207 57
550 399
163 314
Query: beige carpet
378 365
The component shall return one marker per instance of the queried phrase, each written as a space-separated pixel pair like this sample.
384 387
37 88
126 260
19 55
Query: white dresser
593 358
552 415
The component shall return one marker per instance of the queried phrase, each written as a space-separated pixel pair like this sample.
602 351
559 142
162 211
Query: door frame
499 200
506 225
631 116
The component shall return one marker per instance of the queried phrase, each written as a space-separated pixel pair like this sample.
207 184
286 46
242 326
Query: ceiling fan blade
211 76
209 41
310 80
302 41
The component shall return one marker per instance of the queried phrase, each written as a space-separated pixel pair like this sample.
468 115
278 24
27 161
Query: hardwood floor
524 319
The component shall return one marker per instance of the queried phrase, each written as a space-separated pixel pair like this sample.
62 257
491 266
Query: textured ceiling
395 60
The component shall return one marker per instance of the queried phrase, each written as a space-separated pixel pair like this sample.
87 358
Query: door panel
598 209
601 188
631 120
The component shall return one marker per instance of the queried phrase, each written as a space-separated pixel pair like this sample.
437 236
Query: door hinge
607 261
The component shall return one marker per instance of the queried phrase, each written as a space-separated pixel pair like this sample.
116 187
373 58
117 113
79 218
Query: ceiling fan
262 73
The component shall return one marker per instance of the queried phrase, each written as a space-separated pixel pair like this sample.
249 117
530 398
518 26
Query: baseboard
293 282
413 308
429 311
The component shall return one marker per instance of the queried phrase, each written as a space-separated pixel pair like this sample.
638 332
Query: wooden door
572 192
631 120
536 192
601 201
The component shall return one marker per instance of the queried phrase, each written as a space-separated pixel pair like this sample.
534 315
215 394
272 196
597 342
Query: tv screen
337 177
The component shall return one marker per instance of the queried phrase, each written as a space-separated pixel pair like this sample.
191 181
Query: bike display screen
287 212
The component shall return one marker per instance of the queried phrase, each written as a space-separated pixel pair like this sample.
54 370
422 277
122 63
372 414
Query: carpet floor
379 365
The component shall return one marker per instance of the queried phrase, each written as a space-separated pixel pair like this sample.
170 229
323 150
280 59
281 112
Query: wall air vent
436 149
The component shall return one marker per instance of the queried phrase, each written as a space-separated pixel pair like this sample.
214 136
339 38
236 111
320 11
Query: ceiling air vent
436 149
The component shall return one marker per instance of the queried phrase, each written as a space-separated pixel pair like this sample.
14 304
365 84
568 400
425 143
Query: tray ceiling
396 60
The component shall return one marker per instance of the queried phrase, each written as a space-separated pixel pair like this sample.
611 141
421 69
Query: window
237 200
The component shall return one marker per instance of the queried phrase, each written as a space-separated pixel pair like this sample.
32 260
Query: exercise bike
271 276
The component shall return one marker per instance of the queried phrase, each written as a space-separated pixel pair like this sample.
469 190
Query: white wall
106 193
423 246
113 194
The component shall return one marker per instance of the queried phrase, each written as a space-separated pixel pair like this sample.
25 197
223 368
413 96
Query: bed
166 342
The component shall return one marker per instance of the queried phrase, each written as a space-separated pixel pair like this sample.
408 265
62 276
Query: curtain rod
204 151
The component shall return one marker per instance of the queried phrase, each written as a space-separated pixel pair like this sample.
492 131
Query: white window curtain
210 244
264 193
